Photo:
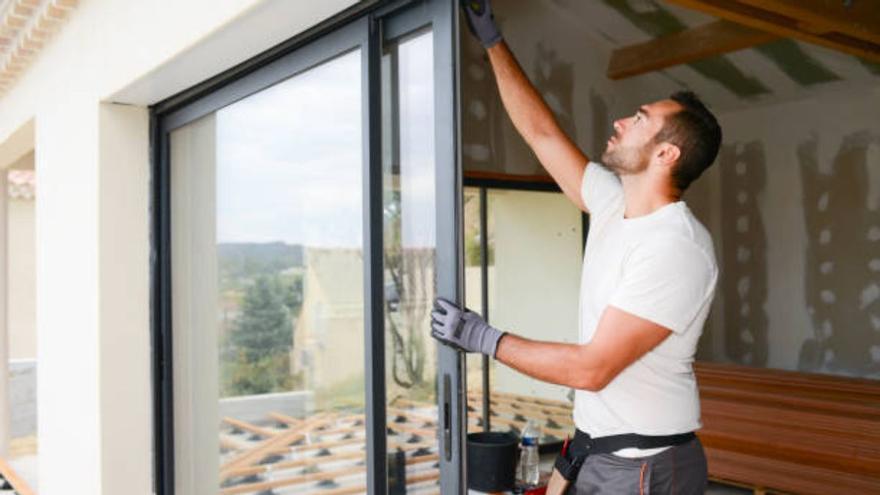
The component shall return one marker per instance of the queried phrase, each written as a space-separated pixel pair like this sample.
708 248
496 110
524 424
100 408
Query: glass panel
267 282
409 257
534 267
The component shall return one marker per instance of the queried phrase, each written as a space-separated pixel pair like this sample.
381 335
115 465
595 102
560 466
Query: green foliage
241 262
472 249
269 373
256 357
472 233
265 323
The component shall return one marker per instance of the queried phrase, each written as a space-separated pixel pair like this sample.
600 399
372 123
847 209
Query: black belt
573 455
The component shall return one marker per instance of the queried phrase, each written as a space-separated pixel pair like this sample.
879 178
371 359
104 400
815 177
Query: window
267 263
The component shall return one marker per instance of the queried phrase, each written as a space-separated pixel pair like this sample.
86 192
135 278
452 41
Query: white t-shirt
660 267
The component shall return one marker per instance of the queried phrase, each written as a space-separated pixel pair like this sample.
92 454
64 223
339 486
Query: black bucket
491 461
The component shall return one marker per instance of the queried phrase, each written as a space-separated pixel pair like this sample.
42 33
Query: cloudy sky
289 158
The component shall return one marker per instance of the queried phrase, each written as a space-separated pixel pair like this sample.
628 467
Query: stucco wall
21 312
92 213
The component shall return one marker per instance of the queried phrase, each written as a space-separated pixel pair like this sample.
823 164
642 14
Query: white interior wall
536 239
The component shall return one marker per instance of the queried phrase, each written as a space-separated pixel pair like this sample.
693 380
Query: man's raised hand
481 22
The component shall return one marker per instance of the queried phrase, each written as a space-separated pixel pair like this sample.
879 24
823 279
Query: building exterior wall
21 287
86 96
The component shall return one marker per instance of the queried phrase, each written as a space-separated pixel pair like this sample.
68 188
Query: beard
625 160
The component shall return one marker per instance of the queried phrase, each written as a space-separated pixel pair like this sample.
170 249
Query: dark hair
696 133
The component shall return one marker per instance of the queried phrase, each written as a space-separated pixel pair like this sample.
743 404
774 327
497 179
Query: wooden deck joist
331 475
19 485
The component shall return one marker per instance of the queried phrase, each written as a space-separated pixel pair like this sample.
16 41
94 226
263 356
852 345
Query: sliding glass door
267 271
306 215
422 249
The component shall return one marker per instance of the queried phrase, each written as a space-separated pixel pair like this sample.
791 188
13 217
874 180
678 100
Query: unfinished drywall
797 226
744 252
567 66
792 201
842 276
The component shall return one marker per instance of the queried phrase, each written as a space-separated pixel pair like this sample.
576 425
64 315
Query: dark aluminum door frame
442 17
383 21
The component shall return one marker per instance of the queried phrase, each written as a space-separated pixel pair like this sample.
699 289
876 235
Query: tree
265 324
408 299
260 341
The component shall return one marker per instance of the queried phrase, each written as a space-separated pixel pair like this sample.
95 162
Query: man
648 279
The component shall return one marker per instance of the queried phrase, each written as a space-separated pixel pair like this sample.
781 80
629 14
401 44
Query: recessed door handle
447 417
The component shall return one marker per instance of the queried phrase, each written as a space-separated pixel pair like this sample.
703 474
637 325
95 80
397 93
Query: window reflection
267 284
409 257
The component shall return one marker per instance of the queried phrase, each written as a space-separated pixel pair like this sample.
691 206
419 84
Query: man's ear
667 153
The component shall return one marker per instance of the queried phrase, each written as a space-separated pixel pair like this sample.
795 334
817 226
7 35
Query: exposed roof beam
684 47
853 30
860 20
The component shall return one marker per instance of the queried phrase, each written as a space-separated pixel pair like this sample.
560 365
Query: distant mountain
248 260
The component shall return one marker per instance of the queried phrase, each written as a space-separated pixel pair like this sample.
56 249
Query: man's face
629 150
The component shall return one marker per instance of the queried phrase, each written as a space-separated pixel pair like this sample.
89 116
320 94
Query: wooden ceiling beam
684 47
778 17
860 20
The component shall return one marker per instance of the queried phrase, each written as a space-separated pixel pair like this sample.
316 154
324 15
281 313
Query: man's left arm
620 339
664 285
662 289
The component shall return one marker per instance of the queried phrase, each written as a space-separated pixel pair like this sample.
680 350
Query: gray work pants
680 470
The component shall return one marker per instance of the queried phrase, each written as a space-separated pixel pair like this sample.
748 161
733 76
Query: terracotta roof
25 28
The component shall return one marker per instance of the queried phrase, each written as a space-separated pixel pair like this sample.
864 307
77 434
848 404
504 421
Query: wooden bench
790 432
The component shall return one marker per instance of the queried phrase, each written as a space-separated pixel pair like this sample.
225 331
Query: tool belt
573 455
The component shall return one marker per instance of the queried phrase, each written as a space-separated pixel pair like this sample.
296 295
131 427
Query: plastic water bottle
529 456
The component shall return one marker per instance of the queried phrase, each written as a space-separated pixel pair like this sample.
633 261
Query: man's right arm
534 120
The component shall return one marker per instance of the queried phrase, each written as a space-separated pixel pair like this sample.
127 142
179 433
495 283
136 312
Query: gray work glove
463 329
481 22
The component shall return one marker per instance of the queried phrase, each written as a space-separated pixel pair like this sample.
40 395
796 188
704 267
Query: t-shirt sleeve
666 282
600 189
